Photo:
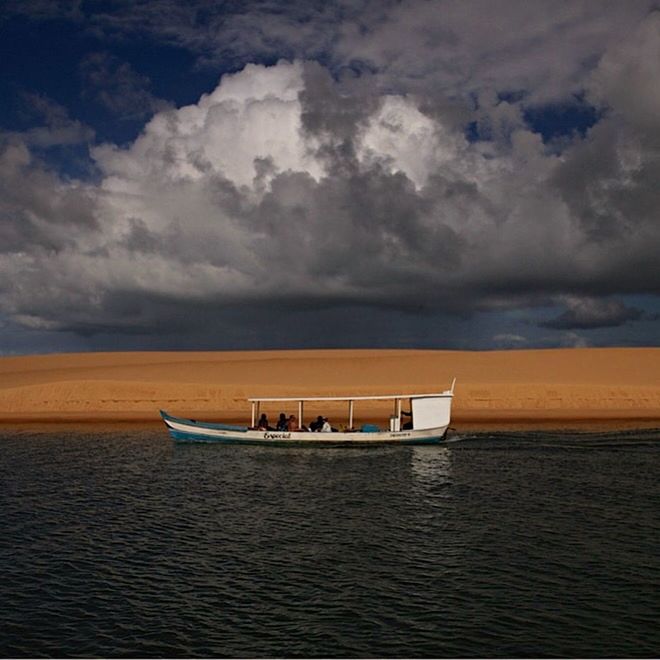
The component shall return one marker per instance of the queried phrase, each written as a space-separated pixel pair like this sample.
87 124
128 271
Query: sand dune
525 387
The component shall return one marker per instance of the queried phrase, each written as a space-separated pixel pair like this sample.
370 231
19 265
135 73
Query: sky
202 175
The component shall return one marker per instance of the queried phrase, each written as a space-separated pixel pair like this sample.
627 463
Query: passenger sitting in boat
292 423
282 424
326 428
408 425
263 423
317 425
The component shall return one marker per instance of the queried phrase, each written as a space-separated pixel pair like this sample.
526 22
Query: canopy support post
254 415
350 413
300 414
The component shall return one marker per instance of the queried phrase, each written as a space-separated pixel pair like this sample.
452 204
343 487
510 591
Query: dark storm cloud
56 126
37 212
119 88
336 112
235 31
44 9
587 314
364 231
508 45
139 238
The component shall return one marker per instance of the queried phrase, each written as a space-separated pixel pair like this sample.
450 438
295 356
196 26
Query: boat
429 419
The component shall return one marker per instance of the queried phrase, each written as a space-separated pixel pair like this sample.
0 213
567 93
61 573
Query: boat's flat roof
378 397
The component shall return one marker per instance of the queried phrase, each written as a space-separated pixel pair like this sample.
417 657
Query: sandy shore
523 389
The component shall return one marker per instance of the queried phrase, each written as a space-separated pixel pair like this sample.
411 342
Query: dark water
500 545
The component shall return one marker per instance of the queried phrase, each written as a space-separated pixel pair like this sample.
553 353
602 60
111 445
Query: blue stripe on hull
184 436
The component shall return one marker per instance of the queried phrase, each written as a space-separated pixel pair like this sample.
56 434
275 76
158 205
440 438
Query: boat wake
557 440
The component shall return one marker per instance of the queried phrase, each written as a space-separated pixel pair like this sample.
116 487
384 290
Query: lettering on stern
277 436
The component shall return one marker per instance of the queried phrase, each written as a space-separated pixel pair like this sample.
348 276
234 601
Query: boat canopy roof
377 397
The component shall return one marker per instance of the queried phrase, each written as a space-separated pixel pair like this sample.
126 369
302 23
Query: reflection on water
430 466
501 545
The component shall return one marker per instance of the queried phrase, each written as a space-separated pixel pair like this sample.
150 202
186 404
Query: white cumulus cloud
276 192
251 116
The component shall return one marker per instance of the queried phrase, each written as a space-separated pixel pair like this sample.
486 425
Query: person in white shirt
326 428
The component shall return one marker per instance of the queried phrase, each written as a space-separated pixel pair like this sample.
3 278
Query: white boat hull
190 430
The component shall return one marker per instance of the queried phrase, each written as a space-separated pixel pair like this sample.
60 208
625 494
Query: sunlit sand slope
563 384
